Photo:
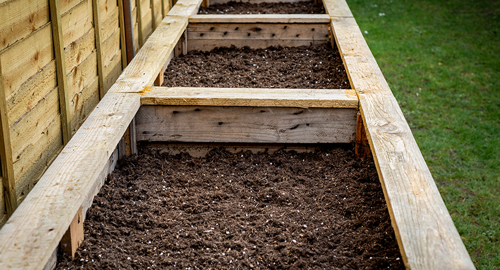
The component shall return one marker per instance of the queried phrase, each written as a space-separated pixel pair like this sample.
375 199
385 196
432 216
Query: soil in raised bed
306 67
286 210
305 7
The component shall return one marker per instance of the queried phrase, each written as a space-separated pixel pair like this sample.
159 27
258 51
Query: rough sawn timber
261 18
424 229
256 97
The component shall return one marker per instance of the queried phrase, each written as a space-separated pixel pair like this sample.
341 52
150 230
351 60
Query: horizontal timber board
210 44
245 124
424 229
260 18
289 31
212 2
337 8
257 97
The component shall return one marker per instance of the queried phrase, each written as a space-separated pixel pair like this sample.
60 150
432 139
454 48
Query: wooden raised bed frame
424 229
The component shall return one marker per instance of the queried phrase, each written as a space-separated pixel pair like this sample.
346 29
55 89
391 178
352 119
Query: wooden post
8 180
130 139
139 22
362 148
73 237
129 30
97 31
123 42
206 3
161 76
181 48
57 35
153 15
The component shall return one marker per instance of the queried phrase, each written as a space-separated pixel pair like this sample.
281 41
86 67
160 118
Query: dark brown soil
305 7
322 210
315 67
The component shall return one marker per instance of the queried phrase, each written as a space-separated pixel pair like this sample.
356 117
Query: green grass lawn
442 61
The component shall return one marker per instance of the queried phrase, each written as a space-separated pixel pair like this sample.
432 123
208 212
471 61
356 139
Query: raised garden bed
135 109
323 209
303 7
307 67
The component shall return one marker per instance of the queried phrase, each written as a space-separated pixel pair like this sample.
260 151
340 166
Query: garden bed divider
424 229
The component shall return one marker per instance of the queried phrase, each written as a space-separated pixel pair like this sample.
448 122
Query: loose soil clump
305 7
287 210
305 67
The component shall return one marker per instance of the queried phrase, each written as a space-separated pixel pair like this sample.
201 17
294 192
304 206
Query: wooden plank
139 22
207 45
123 35
161 76
7 173
261 18
205 3
313 32
130 36
245 124
150 60
185 8
33 232
98 44
36 157
61 69
337 8
73 237
424 229
213 2
153 14
258 97
361 147
76 22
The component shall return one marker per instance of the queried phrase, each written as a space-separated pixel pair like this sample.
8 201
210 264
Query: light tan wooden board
265 31
20 18
150 60
263 97
425 231
212 2
337 8
185 8
32 233
261 18
245 124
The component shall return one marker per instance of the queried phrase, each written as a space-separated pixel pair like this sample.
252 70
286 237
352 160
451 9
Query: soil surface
305 7
314 67
322 210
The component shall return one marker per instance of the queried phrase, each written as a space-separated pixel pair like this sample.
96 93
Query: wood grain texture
337 8
258 97
60 69
245 124
212 2
260 31
261 18
29 237
210 44
9 197
425 231
150 60
185 8
98 44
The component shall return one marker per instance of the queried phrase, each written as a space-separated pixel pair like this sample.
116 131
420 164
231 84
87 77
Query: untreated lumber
257 97
361 147
98 44
245 124
7 173
73 237
55 17
185 8
261 18
337 8
123 35
139 22
424 229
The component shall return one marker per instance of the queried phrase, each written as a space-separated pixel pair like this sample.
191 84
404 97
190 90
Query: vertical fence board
8 179
98 43
57 35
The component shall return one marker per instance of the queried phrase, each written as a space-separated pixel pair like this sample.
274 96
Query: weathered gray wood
245 124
